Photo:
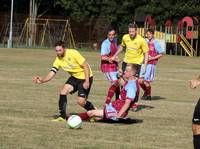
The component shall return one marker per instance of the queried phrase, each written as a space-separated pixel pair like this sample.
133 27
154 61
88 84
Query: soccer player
80 80
196 116
155 53
136 49
108 49
119 108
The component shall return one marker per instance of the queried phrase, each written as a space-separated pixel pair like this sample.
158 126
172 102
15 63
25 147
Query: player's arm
119 50
86 70
145 49
48 77
124 108
155 57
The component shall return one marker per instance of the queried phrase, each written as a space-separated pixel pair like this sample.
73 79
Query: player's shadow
122 121
157 98
142 107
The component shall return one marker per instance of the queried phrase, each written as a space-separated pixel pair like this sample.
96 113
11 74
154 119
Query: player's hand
37 80
86 85
150 58
111 59
194 83
117 59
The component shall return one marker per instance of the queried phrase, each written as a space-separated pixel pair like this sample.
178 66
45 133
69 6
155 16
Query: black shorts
196 115
78 86
138 67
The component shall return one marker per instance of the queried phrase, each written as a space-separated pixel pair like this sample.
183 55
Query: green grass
26 108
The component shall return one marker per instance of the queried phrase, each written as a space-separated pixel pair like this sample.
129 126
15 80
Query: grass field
26 109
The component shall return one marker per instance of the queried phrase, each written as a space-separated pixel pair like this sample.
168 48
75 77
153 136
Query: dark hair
150 30
60 43
110 29
132 25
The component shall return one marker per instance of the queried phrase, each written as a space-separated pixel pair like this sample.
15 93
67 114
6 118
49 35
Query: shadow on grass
122 121
157 98
142 107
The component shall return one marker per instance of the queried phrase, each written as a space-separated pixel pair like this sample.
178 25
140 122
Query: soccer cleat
59 119
143 97
148 98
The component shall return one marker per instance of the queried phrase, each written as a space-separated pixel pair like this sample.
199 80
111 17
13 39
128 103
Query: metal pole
11 23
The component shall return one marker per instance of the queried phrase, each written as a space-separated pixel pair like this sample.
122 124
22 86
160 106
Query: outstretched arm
119 50
40 80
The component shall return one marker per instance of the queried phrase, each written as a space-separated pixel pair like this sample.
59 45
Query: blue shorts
150 72
112 76
110 112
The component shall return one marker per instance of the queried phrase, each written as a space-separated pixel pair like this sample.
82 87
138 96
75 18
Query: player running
81 78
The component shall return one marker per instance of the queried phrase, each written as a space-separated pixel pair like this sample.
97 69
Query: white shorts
112 76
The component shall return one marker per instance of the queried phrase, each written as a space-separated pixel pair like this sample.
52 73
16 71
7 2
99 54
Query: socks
83 116
148 90
89 106
196 141
143 87
62 105
112 90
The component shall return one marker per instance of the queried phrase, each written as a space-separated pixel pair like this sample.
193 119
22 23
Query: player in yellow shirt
80 80
136 51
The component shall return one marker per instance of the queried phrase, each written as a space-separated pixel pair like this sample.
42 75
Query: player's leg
97 114
196 126
62 103
114 88
142 85
148 90
83 95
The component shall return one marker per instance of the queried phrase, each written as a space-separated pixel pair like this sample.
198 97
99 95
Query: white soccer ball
74 122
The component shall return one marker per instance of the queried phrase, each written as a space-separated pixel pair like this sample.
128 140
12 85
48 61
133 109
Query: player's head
60 48
111 34
130 71
150 34
132 30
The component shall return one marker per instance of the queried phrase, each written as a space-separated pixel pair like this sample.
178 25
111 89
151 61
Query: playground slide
187 47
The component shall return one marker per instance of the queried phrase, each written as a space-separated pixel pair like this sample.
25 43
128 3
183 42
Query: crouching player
119 108
196 116
155 53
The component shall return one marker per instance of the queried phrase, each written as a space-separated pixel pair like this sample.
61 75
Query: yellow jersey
71 63
135 49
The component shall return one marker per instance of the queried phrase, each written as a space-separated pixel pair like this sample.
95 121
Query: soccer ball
74 122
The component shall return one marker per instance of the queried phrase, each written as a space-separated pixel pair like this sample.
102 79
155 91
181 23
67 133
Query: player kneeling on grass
196 117
81 78
155 53
119 108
